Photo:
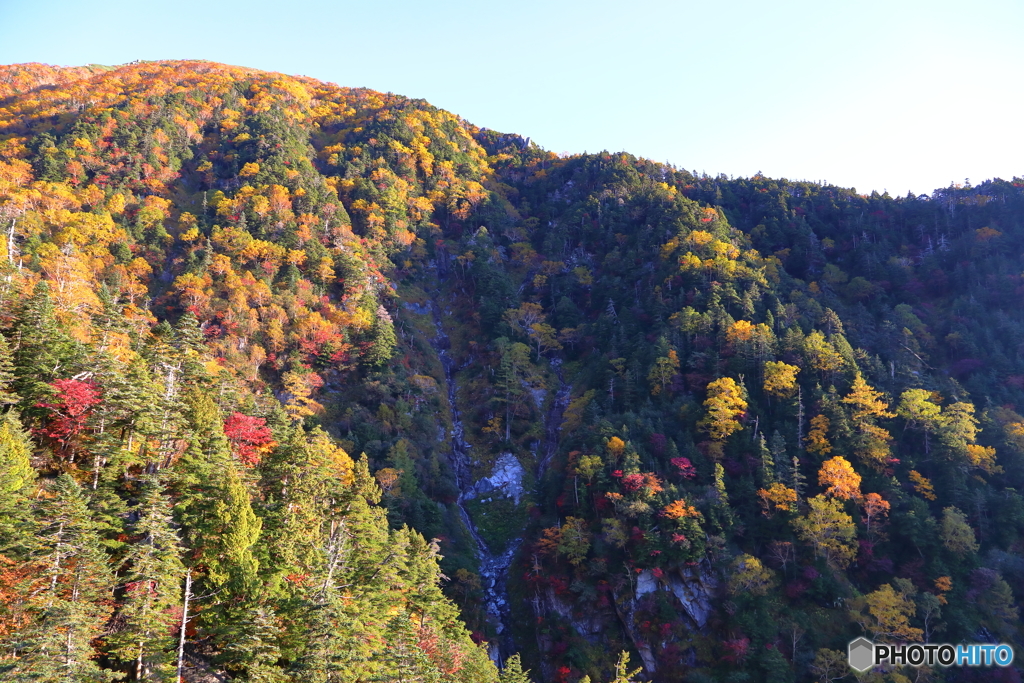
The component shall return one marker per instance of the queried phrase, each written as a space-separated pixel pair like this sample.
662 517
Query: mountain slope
727 425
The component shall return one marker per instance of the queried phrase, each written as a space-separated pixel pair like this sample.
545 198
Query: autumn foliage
68 411
250 438
633 405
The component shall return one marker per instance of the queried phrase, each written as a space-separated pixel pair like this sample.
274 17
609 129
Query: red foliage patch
249 436
736 650
69 410
632 482
684 467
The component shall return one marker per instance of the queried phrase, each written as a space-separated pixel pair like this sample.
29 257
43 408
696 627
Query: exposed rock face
589 625
507 477
693 587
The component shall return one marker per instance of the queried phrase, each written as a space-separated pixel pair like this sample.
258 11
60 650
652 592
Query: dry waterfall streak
553 418
493 568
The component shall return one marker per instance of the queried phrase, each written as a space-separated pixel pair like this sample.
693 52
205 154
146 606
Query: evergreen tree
70 597
215 512
152 589
382 339
767 461
7 374
44 350
251 651
17 479
403 660
797 478
513 671
293 504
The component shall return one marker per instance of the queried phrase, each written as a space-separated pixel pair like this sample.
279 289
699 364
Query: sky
901 95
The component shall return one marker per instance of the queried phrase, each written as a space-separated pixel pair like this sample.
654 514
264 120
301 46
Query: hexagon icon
861 654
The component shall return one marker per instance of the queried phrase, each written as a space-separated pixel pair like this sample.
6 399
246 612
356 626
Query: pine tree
334 642
190 342
402 660
778 448
513 671
767 461
382 339
187 333
721 511
289 511
515 373
797 478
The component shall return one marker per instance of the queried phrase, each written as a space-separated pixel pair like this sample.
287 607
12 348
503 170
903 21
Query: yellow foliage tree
957 534
922 485
750 577
572 418
817 441
777 497
839 479
300 389
780 379
574 540
616 446
983 458
661 374
888 613
723 407
829 530
866 406
875 507
866 403
679 509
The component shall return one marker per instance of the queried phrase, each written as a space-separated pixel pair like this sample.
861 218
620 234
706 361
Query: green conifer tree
68 599
252 652
215 512
152 589
7 374
44 350
402 659
17 478
513 671
767 461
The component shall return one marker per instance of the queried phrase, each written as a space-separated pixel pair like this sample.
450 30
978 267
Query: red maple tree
70 408
249 436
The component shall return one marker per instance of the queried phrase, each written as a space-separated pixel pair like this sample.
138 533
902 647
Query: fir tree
69 598
797 478
17 479
215 512
767 461
513 671
152 589
252 651
7 374
44 351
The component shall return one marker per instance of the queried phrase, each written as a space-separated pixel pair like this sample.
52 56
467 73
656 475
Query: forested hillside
304 383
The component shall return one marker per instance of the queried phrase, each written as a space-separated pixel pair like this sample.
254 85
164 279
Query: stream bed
493 567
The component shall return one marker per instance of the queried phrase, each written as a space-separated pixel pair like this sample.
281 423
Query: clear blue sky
897 95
